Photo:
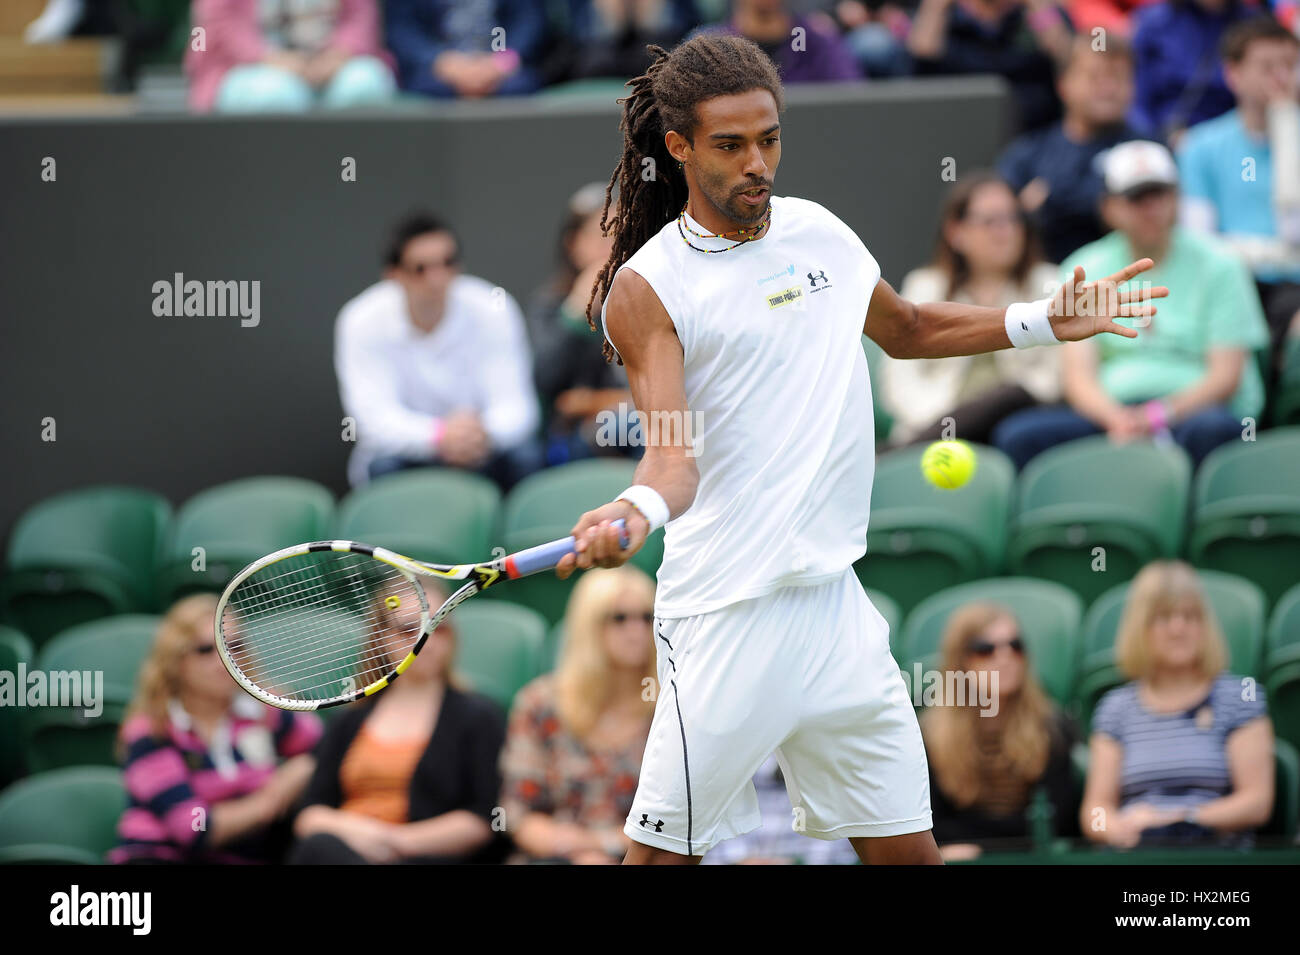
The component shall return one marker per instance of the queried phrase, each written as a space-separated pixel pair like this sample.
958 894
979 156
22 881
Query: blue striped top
1175 760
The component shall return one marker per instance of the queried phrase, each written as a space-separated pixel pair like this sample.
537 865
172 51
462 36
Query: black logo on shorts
645 823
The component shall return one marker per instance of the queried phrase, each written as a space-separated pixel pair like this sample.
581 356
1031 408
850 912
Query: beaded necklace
749 234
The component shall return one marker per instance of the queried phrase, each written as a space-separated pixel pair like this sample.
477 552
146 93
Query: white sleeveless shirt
781 416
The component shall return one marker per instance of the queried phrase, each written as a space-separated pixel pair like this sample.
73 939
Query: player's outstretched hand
597 543
1081 309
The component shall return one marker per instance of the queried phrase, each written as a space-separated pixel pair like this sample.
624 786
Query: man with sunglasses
434 366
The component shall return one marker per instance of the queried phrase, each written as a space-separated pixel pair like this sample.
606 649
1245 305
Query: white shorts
804 672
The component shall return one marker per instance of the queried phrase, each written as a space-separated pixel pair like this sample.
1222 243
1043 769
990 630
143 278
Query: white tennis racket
331 622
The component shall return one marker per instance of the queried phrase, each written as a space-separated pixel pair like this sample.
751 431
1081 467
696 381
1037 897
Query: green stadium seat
552 647
1246 510
439 515
44 854
81 555
1286 791
1129 499
1286 408
235 524
1238 603
544 507
1092 686
1048 612
59 736
76 808
1282 663
922 538
1079 765
1282 642
884 421
15 648
499 647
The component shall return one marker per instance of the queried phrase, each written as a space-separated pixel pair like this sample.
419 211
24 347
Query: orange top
375 775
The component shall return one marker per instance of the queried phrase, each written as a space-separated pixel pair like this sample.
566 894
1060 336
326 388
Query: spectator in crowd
1191 375
576 736
805 49
573 379
986 254
1176 54
1022 40
876 31
778 841
609 37
1054 169
434 365
409 776
1287 13
1113 16
210 773
286 55
455 48
1232 184
988 760
1182 754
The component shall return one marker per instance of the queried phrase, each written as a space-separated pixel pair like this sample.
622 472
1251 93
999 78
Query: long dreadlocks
662 99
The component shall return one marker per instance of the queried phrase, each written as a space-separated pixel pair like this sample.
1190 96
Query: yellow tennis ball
948 464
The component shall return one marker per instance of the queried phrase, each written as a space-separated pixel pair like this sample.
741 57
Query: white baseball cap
1136 164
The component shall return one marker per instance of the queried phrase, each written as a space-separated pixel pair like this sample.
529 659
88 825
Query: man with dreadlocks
741 313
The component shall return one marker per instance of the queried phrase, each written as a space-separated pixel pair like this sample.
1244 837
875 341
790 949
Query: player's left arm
1080 309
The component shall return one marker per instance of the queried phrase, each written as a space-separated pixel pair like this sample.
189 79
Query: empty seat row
1087 514
86 554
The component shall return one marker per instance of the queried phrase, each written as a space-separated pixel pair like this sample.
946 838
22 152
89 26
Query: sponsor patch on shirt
777 299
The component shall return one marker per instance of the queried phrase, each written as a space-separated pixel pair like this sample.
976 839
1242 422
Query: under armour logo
645 823
815 277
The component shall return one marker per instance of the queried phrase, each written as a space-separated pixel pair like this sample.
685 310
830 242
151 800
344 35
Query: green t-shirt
1212 302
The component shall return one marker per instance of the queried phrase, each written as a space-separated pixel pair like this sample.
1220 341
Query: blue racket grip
546 556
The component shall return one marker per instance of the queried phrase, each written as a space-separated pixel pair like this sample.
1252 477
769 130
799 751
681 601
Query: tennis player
739 316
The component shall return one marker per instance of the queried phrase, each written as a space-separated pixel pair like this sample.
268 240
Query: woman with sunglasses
210 773
1183 754
989 757
576 736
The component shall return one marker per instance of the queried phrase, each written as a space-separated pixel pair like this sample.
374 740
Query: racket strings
333 655
321 625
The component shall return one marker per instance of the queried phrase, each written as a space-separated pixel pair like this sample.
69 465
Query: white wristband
649 502
1028 324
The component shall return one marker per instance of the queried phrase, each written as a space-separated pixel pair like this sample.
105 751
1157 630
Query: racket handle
546 556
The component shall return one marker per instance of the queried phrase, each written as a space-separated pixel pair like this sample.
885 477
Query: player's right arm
639 326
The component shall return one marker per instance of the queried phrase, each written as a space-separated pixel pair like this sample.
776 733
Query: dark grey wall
178 404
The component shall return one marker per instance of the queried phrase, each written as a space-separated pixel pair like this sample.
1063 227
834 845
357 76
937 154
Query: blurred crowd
432 771
294 54
1164 129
